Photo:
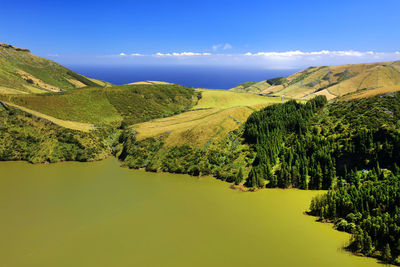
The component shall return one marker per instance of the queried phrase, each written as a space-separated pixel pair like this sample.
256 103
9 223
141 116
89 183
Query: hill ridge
332 81
23 72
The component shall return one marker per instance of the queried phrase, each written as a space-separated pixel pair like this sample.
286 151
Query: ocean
195 76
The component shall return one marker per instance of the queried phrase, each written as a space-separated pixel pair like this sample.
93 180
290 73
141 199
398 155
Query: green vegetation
223 159
307 145
277 81
22 71
247 84
128 103
280 136
25 137
251 87
82 79
82 105
138 103
366 204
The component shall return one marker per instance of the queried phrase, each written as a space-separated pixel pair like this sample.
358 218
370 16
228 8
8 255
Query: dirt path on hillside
74 125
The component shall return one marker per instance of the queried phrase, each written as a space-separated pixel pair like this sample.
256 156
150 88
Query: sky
264 34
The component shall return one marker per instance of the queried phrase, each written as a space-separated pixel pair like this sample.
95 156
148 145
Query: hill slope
359 80
215 114
22 72
129 103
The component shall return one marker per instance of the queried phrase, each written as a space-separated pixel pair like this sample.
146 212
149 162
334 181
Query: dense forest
282 138
366 204
309 145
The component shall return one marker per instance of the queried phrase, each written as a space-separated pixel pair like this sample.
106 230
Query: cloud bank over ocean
268 60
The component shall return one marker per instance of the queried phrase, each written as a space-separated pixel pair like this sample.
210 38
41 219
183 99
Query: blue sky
280 34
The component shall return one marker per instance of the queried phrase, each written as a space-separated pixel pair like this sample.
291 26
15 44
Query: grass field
227 99
217 113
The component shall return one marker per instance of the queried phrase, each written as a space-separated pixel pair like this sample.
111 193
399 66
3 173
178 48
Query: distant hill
251 87
150 82
21 72
347 81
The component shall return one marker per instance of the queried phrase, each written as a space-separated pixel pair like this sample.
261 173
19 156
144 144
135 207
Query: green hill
21 72
27 137
129 103
251 87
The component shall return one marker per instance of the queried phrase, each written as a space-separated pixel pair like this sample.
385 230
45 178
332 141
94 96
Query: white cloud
162 55
182 54
301 59
298 53
295 59
225 46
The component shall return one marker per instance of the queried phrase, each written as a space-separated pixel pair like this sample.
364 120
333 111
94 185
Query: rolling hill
216 113
343 81
109 105
21 72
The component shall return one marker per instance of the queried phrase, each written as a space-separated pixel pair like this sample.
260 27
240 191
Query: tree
367 246
239 177
387 254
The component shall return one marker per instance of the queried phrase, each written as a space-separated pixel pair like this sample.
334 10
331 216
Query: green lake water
98 214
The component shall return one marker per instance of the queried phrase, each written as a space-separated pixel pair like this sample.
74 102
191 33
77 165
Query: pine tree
367 246
239 177
387 254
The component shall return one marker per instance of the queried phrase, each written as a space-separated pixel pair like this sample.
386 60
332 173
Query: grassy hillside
74 125
226 99
216 113
150 83
251 87
128 103
27 137
349 81
23 72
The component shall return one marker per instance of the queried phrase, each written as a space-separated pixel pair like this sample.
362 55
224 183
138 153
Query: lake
98 214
